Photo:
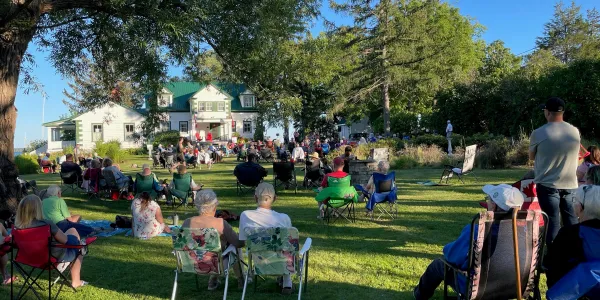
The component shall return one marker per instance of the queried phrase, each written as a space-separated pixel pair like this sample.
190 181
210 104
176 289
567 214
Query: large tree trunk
286 130
12 50
385 91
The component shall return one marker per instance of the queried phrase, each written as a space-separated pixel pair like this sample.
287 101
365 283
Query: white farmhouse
194 109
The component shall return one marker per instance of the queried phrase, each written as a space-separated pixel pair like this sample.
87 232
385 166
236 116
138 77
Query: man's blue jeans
556 203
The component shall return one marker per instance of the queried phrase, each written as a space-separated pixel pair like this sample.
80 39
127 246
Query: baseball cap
145 166
264 190
338 161
554 104
504 195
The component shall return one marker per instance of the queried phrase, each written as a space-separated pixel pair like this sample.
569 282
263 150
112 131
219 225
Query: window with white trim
56 135
248 101
201 106
209 106
165 126
129 131
96 132
247 126
221 106
183 126
165 100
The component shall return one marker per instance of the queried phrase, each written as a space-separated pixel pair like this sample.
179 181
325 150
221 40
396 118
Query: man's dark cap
554 104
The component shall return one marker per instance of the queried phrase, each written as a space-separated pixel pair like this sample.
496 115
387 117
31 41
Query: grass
364 260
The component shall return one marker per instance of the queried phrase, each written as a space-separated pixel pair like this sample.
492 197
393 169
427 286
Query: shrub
69 149
431 139
110 149
363 151
27 164
494 155
137 151
166 138
420 156
519 154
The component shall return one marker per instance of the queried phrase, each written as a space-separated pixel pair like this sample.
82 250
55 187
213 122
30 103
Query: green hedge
27 164
111 149
166 138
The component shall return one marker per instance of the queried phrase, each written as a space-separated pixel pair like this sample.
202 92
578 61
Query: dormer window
165 100
248 100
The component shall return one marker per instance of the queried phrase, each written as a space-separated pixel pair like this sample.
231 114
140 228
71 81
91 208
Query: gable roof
71 120
183 91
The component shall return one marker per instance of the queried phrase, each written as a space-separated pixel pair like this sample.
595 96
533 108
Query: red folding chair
32 246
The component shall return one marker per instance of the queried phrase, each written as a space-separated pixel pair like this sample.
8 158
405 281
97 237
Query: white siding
176 117
113 119
211 94
239 118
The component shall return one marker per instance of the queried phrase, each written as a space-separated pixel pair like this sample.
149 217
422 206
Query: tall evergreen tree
566 33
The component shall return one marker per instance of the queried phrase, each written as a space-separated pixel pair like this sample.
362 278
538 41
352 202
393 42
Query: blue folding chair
582 281
384 197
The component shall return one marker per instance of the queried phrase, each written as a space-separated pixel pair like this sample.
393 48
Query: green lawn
365 260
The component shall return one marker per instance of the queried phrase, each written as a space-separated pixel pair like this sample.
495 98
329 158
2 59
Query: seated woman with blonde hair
206 202
147 221
29 215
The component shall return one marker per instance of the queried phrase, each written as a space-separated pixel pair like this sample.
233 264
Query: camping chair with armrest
284 174
70 180
466 169
94 175
248 178
275 251
33 250
45 168
145 184
338 199
582 282
198 251
169 160
266 154
156 160
502 241
385 196
112 184
313 175
182 190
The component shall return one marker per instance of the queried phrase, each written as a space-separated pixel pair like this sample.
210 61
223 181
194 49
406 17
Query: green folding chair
145 184
339 198
182 189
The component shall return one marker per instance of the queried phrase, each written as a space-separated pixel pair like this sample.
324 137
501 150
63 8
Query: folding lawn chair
384 198
182 189
248 179
582 282
313 175
169 160
94 175
275 252
111 183
145 184
266 155
46 169
467 166
33 247
70 180
198 251
338 200
504 257
284 174
156 160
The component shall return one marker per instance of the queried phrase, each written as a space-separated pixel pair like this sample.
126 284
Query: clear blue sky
516 22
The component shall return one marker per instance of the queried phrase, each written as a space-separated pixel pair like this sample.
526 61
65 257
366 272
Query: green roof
183 91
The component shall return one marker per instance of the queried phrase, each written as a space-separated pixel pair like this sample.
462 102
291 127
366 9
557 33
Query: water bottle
175 220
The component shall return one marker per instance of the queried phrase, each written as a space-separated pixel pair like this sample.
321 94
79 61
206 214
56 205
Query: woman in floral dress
147 220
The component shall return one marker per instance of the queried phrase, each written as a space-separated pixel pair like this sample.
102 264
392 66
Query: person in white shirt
298 153
264 216
449 137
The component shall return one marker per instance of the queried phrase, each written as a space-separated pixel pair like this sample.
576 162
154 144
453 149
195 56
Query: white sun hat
504 195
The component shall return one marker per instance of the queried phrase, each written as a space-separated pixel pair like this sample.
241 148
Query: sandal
10 280
83 283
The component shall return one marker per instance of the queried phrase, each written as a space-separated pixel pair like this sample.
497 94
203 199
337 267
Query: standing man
555 149
449 137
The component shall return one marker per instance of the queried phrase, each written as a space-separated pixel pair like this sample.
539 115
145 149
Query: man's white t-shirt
262 217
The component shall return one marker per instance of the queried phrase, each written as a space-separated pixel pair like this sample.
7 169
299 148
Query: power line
532 49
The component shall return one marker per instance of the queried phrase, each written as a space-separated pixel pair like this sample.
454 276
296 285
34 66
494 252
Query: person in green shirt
55 209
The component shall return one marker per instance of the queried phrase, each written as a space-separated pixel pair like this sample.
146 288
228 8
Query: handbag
123 221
